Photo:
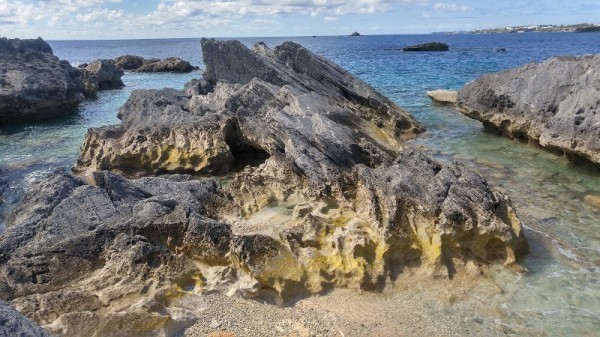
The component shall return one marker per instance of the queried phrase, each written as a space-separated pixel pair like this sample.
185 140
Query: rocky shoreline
276 176
37 86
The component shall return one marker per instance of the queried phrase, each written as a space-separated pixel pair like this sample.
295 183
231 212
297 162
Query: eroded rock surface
554 103
35 84
313 188
281 102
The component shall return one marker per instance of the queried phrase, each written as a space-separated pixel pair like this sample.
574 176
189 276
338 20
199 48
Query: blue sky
125 19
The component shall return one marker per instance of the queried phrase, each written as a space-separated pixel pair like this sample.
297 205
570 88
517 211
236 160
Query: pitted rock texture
34 84
281 102
555 103
314 189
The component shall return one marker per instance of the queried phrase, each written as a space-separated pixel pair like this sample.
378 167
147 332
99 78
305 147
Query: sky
130 19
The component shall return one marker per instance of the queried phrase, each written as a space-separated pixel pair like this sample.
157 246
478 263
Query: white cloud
450 7
174 16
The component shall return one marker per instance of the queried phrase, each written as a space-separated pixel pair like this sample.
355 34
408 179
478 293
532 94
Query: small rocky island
277 175
554 104
430 46
141 65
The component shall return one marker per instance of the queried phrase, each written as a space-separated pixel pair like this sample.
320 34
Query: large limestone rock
554 103
35 84
313 188
287 101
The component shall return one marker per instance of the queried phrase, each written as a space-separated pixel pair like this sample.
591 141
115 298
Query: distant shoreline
578 28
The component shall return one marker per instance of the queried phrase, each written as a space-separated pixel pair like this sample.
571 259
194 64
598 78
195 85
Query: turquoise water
560 295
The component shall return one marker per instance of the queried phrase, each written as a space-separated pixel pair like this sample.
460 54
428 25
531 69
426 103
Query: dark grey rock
171 64
100 75
129 62
430 46
65 230
34 84
107 75
554 103
153 65
14 324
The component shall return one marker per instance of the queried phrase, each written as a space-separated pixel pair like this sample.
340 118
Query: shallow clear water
561 293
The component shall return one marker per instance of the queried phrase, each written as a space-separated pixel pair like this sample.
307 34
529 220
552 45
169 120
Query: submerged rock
431 46
317 190
554 103
34 84
443 96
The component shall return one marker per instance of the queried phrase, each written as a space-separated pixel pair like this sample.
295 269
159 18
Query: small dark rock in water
431 46
172 64
129 62
501 50
153 65
100 75
355 34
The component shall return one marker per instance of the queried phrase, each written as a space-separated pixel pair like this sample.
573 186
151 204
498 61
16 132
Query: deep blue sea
559 296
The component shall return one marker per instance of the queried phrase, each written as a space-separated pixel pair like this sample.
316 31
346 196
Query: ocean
560 294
